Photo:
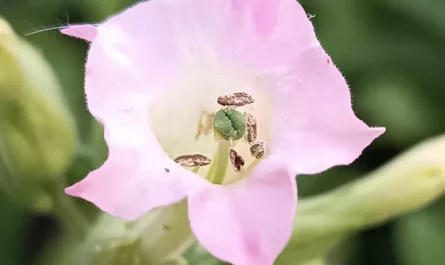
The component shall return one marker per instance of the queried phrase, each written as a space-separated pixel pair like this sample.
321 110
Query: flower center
214 112
229 127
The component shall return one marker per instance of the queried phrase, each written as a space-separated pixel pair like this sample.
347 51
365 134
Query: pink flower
153 77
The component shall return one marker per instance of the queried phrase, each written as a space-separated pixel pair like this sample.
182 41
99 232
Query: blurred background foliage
392 53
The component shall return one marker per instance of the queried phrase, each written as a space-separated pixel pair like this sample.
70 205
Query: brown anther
236 159
167 170
251 133
257 149
193 160
205 125
238 99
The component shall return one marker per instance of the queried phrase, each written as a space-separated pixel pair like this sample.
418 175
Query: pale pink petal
128 186
159 35
315 127
138 176
152 43
85 32
270 33
249 222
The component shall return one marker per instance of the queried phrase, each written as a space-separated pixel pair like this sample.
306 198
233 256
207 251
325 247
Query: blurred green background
392 53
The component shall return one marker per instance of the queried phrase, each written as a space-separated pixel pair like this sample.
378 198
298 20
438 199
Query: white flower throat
182 115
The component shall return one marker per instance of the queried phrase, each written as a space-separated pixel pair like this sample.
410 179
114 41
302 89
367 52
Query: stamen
236 159
205 125
251 127
236 99
217 171
257 149
195 160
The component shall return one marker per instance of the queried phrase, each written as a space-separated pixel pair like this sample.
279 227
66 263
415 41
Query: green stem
8 184
96 142
222 160
67 211
316 262
89 153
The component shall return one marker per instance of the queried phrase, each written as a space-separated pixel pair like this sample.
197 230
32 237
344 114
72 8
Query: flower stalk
68 212
410 181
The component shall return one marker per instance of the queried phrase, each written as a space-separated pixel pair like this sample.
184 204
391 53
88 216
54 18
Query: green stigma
229 124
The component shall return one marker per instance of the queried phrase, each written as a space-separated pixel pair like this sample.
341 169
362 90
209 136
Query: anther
205 125
257 149
238 99
251 127
236 159
195 160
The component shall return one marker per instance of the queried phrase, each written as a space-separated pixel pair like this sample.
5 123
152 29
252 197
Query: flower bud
410 181
37 135
160 237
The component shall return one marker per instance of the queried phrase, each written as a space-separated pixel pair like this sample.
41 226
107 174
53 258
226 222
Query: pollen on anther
257 149
238 99
236 159
195 160
251 123
205 125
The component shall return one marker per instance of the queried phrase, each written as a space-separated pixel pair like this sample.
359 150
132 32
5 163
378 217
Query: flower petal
315 127
249 222
159 34
85 32
134 179
138 175
270 33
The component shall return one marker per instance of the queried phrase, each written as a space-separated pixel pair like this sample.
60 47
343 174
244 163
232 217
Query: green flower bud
229 124
407 183
168 235
177 261
160 237
37 135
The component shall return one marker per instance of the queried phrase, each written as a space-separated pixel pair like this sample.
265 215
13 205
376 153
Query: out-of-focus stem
408 182
67 211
